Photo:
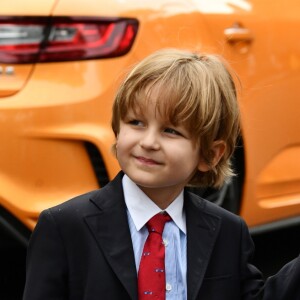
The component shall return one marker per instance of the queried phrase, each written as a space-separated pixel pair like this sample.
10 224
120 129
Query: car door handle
237 33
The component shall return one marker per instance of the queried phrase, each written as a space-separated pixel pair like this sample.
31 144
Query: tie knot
157 222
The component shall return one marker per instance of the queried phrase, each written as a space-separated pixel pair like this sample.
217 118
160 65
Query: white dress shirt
140 209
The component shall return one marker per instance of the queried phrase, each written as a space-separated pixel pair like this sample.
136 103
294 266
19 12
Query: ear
218 149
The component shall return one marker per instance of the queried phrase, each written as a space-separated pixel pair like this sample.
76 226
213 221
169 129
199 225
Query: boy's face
156 155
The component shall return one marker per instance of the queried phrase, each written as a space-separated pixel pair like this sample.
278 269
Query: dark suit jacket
82 249
285 285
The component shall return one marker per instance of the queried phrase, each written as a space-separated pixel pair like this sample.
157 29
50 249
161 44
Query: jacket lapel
202 231
110 229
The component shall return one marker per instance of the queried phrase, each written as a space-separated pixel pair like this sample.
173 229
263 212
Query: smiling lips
147 161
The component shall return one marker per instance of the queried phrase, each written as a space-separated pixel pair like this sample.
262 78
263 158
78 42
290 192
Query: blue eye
136 123
172 131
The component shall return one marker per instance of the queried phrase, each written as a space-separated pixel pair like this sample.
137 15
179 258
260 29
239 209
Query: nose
150 139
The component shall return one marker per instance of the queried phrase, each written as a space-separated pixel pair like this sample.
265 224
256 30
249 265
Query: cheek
124 132
120 136
123 141
188 157
120 145
189 150
181 150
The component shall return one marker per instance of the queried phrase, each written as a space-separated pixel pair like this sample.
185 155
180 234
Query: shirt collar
142 208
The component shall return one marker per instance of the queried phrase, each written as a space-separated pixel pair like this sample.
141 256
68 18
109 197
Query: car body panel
45 126
27 8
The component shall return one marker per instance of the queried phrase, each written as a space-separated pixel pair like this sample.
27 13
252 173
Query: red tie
151 275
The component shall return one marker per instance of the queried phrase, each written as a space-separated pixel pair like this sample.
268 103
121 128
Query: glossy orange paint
48 111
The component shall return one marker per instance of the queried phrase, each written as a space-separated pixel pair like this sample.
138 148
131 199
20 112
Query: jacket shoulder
213 209
94 200
79 200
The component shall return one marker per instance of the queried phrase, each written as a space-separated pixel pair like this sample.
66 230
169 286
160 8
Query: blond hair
196 91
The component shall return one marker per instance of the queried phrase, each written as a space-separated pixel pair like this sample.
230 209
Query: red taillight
29 40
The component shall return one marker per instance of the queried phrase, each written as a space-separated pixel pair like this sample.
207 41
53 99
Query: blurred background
60 64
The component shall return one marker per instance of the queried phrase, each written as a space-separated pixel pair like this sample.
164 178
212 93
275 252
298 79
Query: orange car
61 62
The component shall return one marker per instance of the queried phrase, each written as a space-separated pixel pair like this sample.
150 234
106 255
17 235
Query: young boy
176 119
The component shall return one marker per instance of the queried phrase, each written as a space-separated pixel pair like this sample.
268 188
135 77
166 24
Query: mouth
147 161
